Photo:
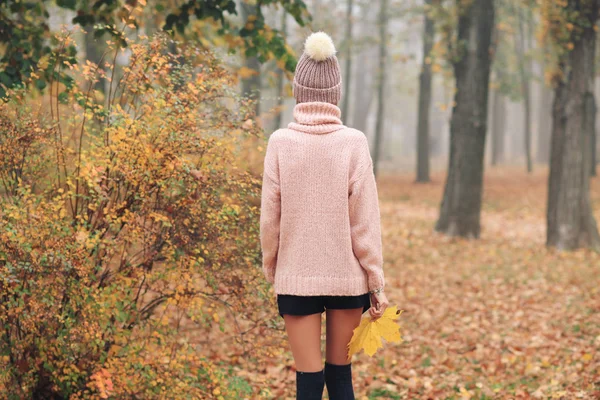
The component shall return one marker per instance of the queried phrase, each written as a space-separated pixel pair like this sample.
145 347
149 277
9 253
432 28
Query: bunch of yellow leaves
369 333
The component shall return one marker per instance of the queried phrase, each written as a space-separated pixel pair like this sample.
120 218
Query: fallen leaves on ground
501 317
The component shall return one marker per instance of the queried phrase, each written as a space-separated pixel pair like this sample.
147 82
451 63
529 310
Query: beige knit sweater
320 224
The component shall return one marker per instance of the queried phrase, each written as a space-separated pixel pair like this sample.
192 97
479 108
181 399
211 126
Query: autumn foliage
124 222
369 333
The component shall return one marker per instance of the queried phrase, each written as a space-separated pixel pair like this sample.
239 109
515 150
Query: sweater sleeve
365 223
270 212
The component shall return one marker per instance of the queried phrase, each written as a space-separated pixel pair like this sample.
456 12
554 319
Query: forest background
133 134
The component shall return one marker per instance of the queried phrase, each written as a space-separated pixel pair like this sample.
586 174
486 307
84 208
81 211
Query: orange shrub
121 223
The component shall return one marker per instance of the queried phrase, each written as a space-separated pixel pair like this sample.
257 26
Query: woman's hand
379 303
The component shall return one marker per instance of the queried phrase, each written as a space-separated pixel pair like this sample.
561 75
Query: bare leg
304 333
340 327
338 368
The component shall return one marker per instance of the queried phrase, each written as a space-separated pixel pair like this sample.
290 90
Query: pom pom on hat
319 46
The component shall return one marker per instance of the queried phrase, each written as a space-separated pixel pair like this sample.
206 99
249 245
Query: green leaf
70 4
63 97
290 64
5 79
251 52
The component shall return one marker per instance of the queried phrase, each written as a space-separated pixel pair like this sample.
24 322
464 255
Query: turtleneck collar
316 117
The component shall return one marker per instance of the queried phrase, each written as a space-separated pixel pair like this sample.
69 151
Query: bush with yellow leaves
124 224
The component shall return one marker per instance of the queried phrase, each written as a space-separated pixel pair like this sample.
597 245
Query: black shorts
305 305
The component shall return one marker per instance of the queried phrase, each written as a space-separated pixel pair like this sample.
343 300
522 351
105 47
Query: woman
320 226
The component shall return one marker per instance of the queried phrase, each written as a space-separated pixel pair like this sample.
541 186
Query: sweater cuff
376 279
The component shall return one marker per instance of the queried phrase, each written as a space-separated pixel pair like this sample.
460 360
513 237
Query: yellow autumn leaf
369 333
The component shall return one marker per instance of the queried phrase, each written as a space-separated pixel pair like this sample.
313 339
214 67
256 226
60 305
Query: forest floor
495 318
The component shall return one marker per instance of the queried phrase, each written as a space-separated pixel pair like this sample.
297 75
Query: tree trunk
594 144
363 91
251 86
348 66
281 77
381 79
461 205
424 99
544 124
570 217
595 141
498 126
591 109
364 88
524 73
363 95
593 150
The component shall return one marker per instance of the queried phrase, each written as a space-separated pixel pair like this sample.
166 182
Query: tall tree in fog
425 97
498 95
364 80
544 123
570 216
507 79
498 125
544 112
348 63
364 88
594 145
524 66
281 76
251 84
381 81
461 205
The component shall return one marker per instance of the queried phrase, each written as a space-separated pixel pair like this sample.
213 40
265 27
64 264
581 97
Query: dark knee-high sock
339 381
310 385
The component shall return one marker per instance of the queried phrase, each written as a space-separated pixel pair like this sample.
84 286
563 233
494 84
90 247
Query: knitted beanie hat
317 76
